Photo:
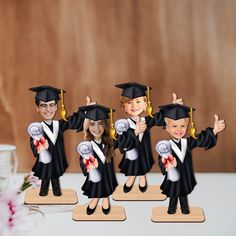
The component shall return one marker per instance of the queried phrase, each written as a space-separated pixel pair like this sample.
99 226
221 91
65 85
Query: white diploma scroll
35 130
85 149
121 126
164 149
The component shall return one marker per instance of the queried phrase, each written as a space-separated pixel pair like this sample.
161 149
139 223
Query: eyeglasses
45 106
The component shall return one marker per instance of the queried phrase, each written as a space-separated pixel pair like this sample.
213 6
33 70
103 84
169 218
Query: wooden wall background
87 46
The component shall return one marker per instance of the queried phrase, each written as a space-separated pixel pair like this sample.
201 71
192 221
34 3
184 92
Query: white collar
52 135
98 141
48 122
180 153
176 140
132 125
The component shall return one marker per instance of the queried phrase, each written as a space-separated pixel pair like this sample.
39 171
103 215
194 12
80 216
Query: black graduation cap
95 112
46 93
175 111
132 90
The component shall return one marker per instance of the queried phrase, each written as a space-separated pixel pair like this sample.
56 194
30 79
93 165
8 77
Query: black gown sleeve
75 121
85 173
33 148
205 139
157 120
127 140
162 167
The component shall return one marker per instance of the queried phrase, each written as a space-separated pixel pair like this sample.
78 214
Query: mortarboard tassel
112 129
149 107
193 130
63 111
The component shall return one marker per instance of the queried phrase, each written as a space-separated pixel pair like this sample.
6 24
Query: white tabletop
215 193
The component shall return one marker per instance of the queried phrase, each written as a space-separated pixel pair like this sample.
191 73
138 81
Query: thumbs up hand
141 126
89 101
177 100
219 125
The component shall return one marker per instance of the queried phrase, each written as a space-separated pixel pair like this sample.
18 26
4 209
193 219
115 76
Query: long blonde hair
106 140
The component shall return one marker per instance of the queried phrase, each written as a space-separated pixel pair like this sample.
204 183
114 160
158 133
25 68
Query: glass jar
8 164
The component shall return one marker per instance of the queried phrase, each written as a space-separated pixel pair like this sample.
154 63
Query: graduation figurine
47 142
96 158
176 154
134 133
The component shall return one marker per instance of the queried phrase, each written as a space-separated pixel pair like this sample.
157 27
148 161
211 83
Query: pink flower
30 180
14 219
35 181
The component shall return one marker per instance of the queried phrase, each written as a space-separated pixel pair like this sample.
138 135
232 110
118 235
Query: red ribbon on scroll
169 161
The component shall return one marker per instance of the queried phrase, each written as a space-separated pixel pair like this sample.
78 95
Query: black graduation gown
187 182
128 140
106 186
58 165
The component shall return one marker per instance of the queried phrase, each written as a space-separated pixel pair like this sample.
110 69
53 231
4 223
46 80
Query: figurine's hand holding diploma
85 149
219 125
90 163
177 100
164 149
141 126
169 162
41 144
35 130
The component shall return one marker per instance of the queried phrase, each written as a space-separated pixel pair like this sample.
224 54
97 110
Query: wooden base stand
117 213
68 197
159 214
153 193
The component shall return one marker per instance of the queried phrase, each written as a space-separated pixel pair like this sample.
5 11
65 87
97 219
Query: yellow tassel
149 107
63 111
193 130
112 129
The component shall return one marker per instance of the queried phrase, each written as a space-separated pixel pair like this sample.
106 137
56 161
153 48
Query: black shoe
184 205
56 187
44 187
106 211
90 211
172 205
57 192
127 189
171 211
43 192
185 211
143 189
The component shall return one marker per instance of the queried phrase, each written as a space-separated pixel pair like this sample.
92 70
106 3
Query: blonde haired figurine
180 155
134 133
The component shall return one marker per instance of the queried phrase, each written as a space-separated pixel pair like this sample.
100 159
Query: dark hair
37 101
106 140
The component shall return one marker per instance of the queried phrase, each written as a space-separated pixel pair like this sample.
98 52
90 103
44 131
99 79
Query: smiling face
96 128
177 128
135 107
47 109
